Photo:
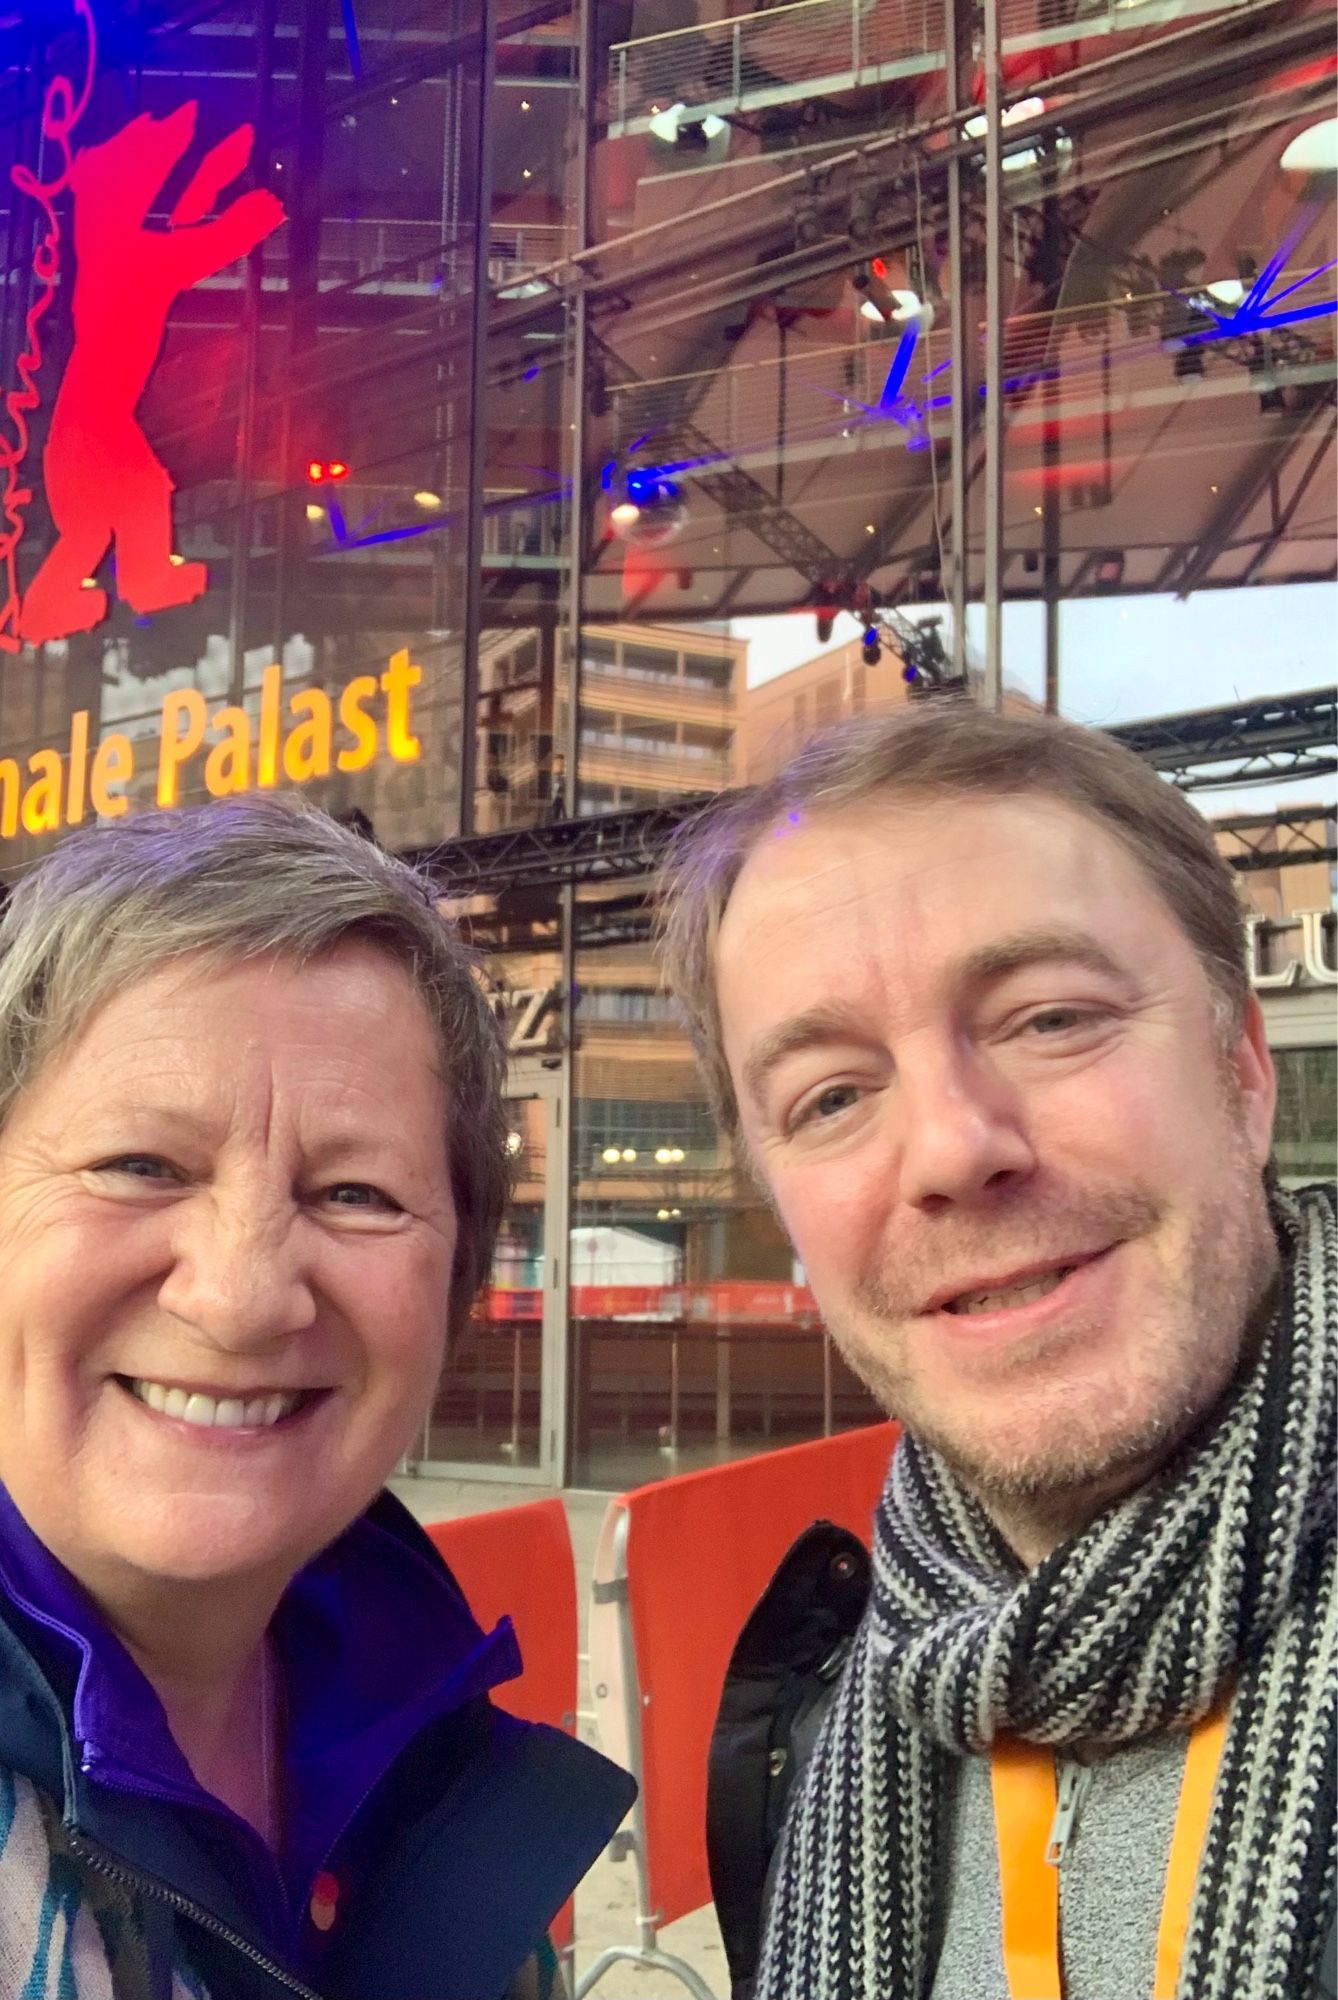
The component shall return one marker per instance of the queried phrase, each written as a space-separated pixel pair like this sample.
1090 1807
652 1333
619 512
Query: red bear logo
104 482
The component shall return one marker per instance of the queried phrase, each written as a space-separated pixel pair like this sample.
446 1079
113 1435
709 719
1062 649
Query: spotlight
428 500
652 511
873 647
870 309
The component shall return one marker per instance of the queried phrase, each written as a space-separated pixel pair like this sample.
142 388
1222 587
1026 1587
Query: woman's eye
361 1195
136 1166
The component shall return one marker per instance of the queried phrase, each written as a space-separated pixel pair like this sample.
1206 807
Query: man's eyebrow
828 1022
833 1021
1038 947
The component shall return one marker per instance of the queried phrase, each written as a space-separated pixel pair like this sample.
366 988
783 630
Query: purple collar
376 1642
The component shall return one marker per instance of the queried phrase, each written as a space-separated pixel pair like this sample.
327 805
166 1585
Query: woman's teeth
1013 1295
226 1413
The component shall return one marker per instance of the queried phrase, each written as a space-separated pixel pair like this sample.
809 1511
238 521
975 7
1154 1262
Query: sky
1123 659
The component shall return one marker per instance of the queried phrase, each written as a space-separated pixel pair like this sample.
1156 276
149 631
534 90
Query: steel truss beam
1277 736
620 846
736 491
1280 839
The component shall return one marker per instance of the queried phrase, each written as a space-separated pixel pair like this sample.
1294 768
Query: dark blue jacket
452 1833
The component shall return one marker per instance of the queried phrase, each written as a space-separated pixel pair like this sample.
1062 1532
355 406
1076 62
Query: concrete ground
606 1900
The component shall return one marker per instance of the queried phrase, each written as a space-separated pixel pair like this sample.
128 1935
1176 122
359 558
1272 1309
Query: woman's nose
238 1274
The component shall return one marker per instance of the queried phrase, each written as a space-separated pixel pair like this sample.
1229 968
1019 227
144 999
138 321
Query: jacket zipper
1074 1782
184 1907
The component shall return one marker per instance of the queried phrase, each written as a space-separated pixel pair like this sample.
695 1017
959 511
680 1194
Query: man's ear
1256 1079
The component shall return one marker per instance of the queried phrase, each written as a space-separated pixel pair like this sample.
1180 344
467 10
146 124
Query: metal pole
993 690
246 421
587 58
478 414
1052 267
956 30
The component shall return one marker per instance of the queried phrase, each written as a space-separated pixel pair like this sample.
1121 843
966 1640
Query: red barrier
517 1562
680 1566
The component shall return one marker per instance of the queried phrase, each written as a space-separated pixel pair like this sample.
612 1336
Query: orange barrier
517 1562
680 1566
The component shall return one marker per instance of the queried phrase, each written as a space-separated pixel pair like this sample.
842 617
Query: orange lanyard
1022 1779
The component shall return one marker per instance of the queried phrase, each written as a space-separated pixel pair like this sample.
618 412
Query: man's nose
964 1130
238 1273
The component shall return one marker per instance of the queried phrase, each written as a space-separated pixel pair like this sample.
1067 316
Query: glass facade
493 419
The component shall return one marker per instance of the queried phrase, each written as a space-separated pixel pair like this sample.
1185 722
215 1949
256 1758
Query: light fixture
629 1154
610 1156
315 513
1314 151
514 1142
872 648
176 560
909 305
869 528
1227 291
663 1155
426 499
664 124
525 104
661 1215
625 515
672 127
870 309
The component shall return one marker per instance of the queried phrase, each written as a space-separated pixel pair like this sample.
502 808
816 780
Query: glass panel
695 1339
1305 1143
487 1409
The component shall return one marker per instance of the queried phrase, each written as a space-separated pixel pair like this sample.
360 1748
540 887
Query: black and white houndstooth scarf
1225 1569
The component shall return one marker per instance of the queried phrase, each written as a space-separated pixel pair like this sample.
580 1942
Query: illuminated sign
226 750
105 486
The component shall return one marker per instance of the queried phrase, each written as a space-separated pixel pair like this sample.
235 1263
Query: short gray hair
255 878
943 750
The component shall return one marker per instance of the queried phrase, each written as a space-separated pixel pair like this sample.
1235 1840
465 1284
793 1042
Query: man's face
978 1066
226 1233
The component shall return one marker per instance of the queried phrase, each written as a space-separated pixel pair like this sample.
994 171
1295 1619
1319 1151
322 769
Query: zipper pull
1074 1780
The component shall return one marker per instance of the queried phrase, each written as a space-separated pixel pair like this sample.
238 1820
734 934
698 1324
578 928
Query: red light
315 470
336 469
879 268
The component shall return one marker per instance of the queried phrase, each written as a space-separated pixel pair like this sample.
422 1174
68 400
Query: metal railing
783 54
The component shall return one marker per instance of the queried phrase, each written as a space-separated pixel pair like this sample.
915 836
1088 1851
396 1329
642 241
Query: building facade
401 401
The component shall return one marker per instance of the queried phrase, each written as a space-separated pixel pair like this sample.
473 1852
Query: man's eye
828 1103
1059 1020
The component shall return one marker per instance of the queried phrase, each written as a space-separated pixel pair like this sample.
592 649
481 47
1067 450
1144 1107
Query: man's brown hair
941 751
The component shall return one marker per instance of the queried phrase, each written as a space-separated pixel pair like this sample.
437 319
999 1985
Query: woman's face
226 1234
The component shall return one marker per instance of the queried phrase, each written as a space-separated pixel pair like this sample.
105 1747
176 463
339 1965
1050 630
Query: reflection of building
659 716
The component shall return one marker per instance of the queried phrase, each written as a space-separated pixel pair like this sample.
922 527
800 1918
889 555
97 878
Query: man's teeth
1012 1295
226 1413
